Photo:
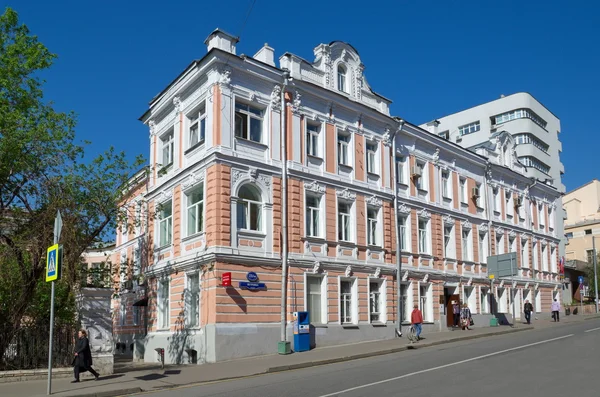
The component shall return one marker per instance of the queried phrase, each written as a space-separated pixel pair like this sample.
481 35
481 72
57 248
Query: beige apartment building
582 225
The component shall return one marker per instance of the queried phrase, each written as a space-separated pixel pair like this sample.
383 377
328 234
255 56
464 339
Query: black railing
28 349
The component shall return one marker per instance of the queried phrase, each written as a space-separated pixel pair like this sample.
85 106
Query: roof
343 42
582 223
582 186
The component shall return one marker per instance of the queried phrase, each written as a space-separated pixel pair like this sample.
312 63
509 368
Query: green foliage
42 170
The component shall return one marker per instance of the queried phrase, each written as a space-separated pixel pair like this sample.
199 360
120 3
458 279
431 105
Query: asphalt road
558 361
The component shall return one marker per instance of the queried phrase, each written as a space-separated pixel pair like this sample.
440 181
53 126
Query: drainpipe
397 224
487 207
284 344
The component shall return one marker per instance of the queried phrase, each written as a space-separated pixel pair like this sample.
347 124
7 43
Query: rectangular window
168 148
248 122
483 247
484 297
508 197
313 211
471 299
536 263
346 302
312 140
372 229
496 192
137 315
444 134
463 190
500 244
249 210
192 303
195 211
401 169
423 302
545 258
541 216
469 128
512 244
123 312
421 181
550 219
402 221
480 203
466 245
372 158
163 304
406 293
590 256
314 302
448 241
376 303
446 187
344 222
423 243
166 224
343 149
524 253
197 129
520 114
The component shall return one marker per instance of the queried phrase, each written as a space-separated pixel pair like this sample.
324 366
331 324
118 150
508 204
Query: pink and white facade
215 190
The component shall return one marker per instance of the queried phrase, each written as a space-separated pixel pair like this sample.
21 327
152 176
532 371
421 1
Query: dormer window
341 71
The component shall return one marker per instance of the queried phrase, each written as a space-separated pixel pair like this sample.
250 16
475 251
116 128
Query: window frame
372 157
164 315
470 128
426 238
240 113
446 185
373 231
342 80
245 205
353 301
322 299
308 212
462 188
422 182
168 220
449 244
402 170
192 295
198 119
405 231
381 298
467 244
344 146
346 236
313 134
200 209
168 142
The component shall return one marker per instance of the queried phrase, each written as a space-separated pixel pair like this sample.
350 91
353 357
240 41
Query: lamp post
595 273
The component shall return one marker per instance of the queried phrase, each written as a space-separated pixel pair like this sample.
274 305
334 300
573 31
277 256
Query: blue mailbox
301 332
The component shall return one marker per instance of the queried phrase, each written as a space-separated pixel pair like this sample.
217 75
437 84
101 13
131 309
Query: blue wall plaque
252 277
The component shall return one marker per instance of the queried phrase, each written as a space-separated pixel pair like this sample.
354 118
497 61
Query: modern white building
535 131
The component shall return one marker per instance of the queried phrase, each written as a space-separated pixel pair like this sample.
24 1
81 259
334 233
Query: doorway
450 295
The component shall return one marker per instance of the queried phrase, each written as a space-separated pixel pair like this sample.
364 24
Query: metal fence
28 349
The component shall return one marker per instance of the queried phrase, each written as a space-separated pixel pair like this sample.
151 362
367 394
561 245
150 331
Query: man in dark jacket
528 308
83 357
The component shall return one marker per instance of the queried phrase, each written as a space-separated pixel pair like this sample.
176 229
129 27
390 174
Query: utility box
301 332
493 322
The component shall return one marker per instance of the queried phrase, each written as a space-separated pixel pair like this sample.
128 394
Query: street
548 362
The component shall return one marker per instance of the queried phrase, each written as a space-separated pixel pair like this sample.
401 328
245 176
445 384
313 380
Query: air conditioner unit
416 171
127 285
475 192
518 202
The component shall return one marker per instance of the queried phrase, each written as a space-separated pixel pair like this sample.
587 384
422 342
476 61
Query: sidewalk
149 379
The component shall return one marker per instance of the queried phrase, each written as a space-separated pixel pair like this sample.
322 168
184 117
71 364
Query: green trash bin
493 322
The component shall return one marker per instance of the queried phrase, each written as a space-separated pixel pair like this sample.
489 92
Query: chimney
432 126
221 40
266 54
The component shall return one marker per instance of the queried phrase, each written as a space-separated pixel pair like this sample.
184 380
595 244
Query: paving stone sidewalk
143 379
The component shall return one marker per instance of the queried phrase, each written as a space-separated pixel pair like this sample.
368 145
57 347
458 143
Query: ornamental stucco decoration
296 102
316 267
166 195
426 278
470 282
192 179
177 104
346 194
466 224
448 220
315 187
403 208
374 201
436 155
348 271
424 214
276 97
524 236
377 272
483 227
387 138
225 76
499 230
152 126
512 233
236 175
405 276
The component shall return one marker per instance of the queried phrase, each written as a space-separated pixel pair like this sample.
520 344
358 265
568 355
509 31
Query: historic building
213 205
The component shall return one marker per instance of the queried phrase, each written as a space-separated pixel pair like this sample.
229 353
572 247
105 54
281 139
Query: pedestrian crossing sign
53 263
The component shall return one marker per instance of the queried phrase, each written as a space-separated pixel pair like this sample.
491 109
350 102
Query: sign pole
57 230
514 292
595 273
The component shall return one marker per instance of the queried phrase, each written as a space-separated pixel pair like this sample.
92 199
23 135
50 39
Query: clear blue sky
431 57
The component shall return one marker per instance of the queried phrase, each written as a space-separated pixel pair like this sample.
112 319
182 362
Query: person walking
456 313
465 317
528 308
83 357
556 310
416 319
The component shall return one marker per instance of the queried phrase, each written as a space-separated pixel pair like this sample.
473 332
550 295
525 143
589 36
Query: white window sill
346 166
193 236
251 142
248 232
194 149
313 156
373 174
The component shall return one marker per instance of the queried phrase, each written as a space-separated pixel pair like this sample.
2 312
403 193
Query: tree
42 170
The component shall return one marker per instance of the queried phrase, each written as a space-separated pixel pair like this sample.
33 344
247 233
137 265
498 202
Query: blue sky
431 57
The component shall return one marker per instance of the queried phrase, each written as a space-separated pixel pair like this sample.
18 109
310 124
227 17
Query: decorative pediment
315 187
346 194
448 220
466 224
374 201
193 179
483 228
424 214
403 208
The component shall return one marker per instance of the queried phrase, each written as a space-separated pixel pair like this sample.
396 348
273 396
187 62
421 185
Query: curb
593 317
398 349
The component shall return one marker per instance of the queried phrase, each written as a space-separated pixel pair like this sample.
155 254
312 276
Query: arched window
341 71
249 208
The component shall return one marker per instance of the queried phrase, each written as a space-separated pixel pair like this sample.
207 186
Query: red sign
226 279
